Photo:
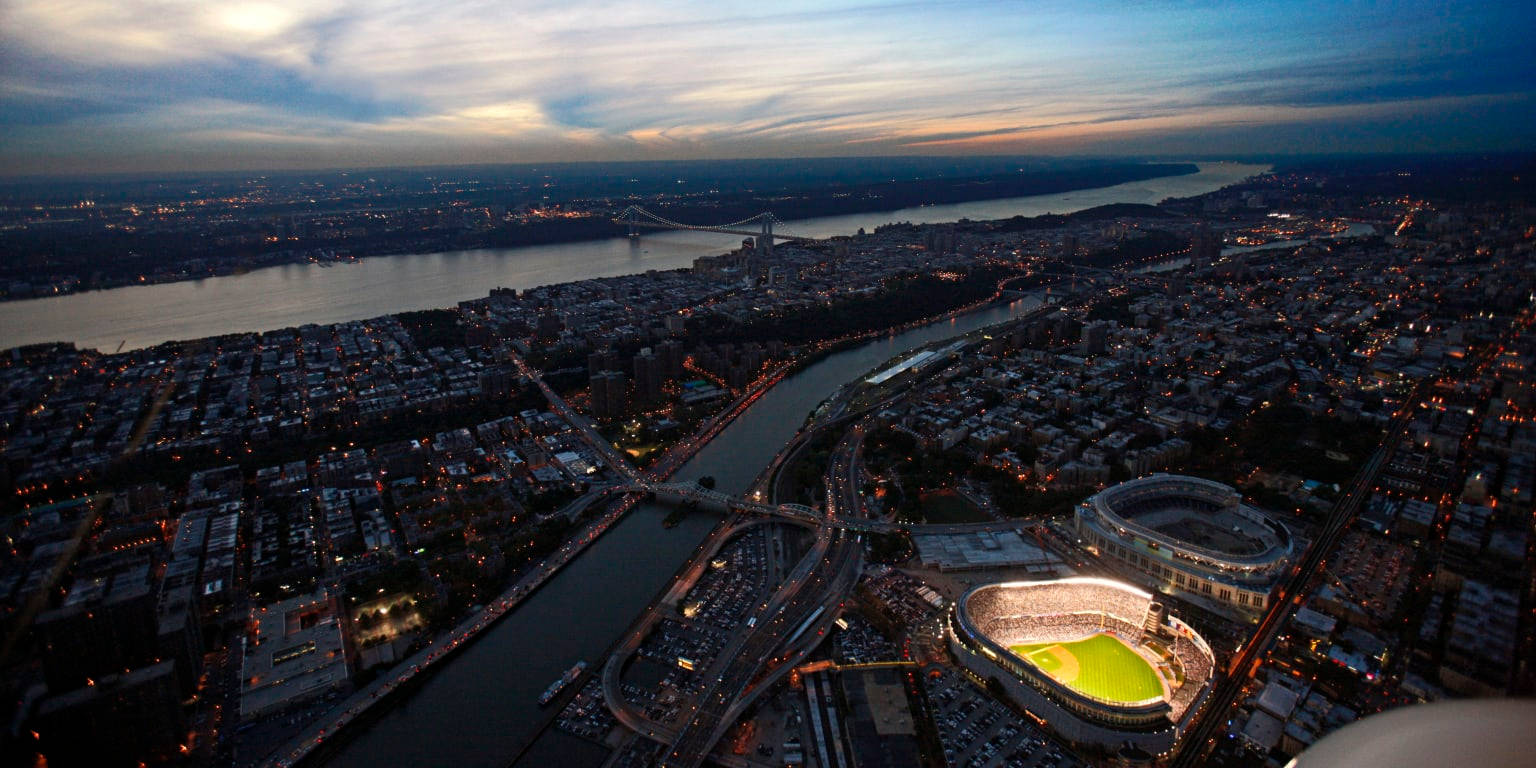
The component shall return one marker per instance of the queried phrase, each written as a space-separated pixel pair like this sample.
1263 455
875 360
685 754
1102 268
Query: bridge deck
635 216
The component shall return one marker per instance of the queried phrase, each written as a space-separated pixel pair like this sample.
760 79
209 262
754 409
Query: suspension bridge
760 226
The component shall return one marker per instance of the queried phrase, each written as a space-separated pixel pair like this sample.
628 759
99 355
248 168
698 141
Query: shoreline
235 305
326 256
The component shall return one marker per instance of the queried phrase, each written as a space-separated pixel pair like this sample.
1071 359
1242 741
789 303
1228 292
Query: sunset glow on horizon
96 86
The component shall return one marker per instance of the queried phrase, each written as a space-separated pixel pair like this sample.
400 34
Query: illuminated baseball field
1100 666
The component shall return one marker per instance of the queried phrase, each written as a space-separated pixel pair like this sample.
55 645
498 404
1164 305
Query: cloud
478 80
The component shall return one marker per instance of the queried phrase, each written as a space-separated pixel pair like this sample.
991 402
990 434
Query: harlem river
481 706
477 708
276 297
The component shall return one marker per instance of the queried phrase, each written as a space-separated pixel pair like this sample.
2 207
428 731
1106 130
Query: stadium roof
982 549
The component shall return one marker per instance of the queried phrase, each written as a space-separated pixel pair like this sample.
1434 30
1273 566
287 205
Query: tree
889 547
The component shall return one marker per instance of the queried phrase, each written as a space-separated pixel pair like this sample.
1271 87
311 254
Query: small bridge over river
715 501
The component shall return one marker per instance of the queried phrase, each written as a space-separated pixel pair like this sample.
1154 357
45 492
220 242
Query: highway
594 439
443 647
628 714
680 453
685 450
790 623
787 626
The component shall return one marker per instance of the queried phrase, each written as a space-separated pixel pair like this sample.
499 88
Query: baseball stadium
1099 661
1190 537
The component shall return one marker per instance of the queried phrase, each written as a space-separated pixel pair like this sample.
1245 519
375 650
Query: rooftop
295 651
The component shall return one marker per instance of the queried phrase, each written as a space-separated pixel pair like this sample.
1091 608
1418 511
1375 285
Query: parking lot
979 732
587 714
668 670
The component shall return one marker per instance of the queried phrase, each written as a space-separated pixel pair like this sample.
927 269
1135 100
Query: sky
98 86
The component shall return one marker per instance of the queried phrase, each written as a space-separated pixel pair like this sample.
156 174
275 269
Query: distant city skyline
88 86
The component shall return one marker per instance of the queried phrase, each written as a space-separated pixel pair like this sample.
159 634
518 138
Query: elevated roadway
790 625
677 493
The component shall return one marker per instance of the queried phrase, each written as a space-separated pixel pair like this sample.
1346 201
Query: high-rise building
618 393
608 394
118 719
1069 247
1095 337
648 377
106 625
939 239
549 325
604 359
597 388
497 381
671 354
1205 247
752 356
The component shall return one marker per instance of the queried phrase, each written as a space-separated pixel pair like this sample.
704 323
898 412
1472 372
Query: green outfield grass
1100 666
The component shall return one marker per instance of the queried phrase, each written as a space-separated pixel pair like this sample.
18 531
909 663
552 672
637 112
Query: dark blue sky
110 85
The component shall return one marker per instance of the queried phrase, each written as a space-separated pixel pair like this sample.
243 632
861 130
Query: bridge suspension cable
765 221
637 210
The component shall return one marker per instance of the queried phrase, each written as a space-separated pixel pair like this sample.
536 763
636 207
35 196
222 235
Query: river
1356 229
478 707
296 294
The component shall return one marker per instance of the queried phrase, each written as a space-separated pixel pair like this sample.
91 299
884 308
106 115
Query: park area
1100 666
948 506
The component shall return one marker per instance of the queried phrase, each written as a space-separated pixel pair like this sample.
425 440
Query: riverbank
136 317
363 707
176 259
463 712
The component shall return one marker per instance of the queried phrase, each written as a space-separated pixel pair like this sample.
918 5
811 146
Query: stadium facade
991 625
1189 536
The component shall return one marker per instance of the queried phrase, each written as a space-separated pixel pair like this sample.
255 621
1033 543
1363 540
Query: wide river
277 297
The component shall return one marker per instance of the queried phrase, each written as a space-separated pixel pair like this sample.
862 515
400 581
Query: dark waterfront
286 296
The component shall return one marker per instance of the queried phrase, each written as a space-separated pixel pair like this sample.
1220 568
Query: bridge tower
765 240
631 218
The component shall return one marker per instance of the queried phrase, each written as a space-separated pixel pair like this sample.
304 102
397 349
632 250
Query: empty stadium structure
1189 536
1098 661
